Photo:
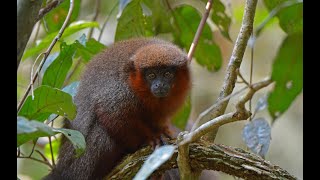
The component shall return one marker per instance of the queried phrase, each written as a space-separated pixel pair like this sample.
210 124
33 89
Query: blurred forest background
286 147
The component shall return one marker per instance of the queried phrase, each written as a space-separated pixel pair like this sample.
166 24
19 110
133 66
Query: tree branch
203 155
27 12
234 63
199 30
46 54
48 8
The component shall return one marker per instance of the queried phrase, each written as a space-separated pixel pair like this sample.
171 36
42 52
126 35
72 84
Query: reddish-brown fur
117 112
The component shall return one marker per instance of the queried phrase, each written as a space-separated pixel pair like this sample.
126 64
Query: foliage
176 21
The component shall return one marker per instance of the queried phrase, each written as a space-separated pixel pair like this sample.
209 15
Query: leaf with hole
133 23
221 18
76 138
30 130
207 53
48 100
45 42
57 71
54 20
287 72
257 135
155 160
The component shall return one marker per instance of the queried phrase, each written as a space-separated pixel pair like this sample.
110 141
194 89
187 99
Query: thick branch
27 12
46 54
230 160
235 61
48 8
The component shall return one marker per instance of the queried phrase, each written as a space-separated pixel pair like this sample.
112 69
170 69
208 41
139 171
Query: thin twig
51 151
207 111
37 32
240 114
48 8
242 78
33 147
38 160
251 72
235 61
96 13
46 54
105 22
199 30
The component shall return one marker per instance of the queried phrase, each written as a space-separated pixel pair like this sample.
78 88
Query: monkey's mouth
160 93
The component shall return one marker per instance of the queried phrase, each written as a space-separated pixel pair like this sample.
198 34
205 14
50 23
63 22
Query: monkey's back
104 82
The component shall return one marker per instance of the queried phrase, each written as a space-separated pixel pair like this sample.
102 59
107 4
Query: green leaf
55 143
46 64
290 17
76 138
45 42
154 161
122 5
87 49
54 20
58 69
221 18
288 75
48 100
160 15
207 53
180 119
133 23
30 130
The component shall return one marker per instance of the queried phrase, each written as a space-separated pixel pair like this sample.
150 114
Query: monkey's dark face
159 80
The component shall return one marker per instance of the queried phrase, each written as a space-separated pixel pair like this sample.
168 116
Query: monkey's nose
160 90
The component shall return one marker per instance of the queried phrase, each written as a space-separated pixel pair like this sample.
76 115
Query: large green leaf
288 75
290 17
207 53
48 100
181 117
133 22
221 18
30 130
76 138
54 20
88 48
44 43
57 71
161 15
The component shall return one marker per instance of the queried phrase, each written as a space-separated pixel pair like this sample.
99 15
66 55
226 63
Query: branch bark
234 64
27 12
205 155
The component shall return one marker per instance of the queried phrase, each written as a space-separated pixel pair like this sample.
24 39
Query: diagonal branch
234 63
203 155
46 54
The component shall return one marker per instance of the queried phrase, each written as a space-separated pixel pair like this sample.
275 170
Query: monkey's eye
151 76
168 75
